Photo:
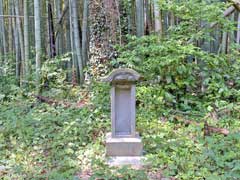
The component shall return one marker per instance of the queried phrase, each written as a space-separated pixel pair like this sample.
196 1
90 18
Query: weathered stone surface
135 161
123 101
122 75
123 111
123 146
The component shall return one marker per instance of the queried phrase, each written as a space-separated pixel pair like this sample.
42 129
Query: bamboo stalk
238 30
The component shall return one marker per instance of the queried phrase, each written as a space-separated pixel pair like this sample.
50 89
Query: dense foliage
184 75
60 133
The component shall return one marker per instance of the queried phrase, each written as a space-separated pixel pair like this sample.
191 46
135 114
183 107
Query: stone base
134 161
124 146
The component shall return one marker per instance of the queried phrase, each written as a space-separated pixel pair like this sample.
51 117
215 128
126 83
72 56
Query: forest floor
64 138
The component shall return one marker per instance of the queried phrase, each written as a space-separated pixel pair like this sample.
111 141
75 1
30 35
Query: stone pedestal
123 144
134 161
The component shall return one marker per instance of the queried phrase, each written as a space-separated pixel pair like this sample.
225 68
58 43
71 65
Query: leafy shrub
183 73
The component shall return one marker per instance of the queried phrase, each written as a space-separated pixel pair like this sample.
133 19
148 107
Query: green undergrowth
40 140
182 83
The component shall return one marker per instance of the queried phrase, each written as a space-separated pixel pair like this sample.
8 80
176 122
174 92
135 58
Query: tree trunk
129 17
111 20
224 42
172 19
20 35
59 38
10 29
37 40
85 33
74 60
119 21
69 47
26 38
133 17
17 52
238 30
51 32
2 31
77 40
140 17
148 28
157 17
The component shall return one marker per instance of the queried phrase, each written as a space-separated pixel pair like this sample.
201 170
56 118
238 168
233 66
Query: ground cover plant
42 140
53 125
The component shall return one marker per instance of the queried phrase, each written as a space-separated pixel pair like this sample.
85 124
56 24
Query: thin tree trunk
172 19
31 33
231 34
10 31
119 21
46 38
224 42
148 17
133 17
129 17
26 38
2 30
59 38
85 33
140 17
17 52
37 40
74 60
20 35
69 47
157 17
59 23
51 31
77 40
238 30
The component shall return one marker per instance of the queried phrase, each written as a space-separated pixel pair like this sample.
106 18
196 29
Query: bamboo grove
32 31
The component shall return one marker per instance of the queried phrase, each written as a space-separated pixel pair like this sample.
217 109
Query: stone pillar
123 142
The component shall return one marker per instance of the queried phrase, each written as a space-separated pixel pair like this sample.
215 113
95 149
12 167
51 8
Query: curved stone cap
122 75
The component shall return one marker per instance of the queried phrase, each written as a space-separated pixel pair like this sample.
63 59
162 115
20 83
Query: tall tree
224 42
20 35
59 38
26 38
140 17
2 30
129 14
77 39
148 28
238 30
10 29
74 60
51 31
111 21
16 43
85 33
157 18
37 40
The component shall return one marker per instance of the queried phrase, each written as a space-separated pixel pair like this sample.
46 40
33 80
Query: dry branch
65 104
236 4
60 20
208 130
226 13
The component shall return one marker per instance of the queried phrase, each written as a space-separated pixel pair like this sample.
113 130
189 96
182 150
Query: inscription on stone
123 140
123 111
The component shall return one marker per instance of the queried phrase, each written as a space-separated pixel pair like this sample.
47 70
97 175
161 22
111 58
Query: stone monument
123 144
